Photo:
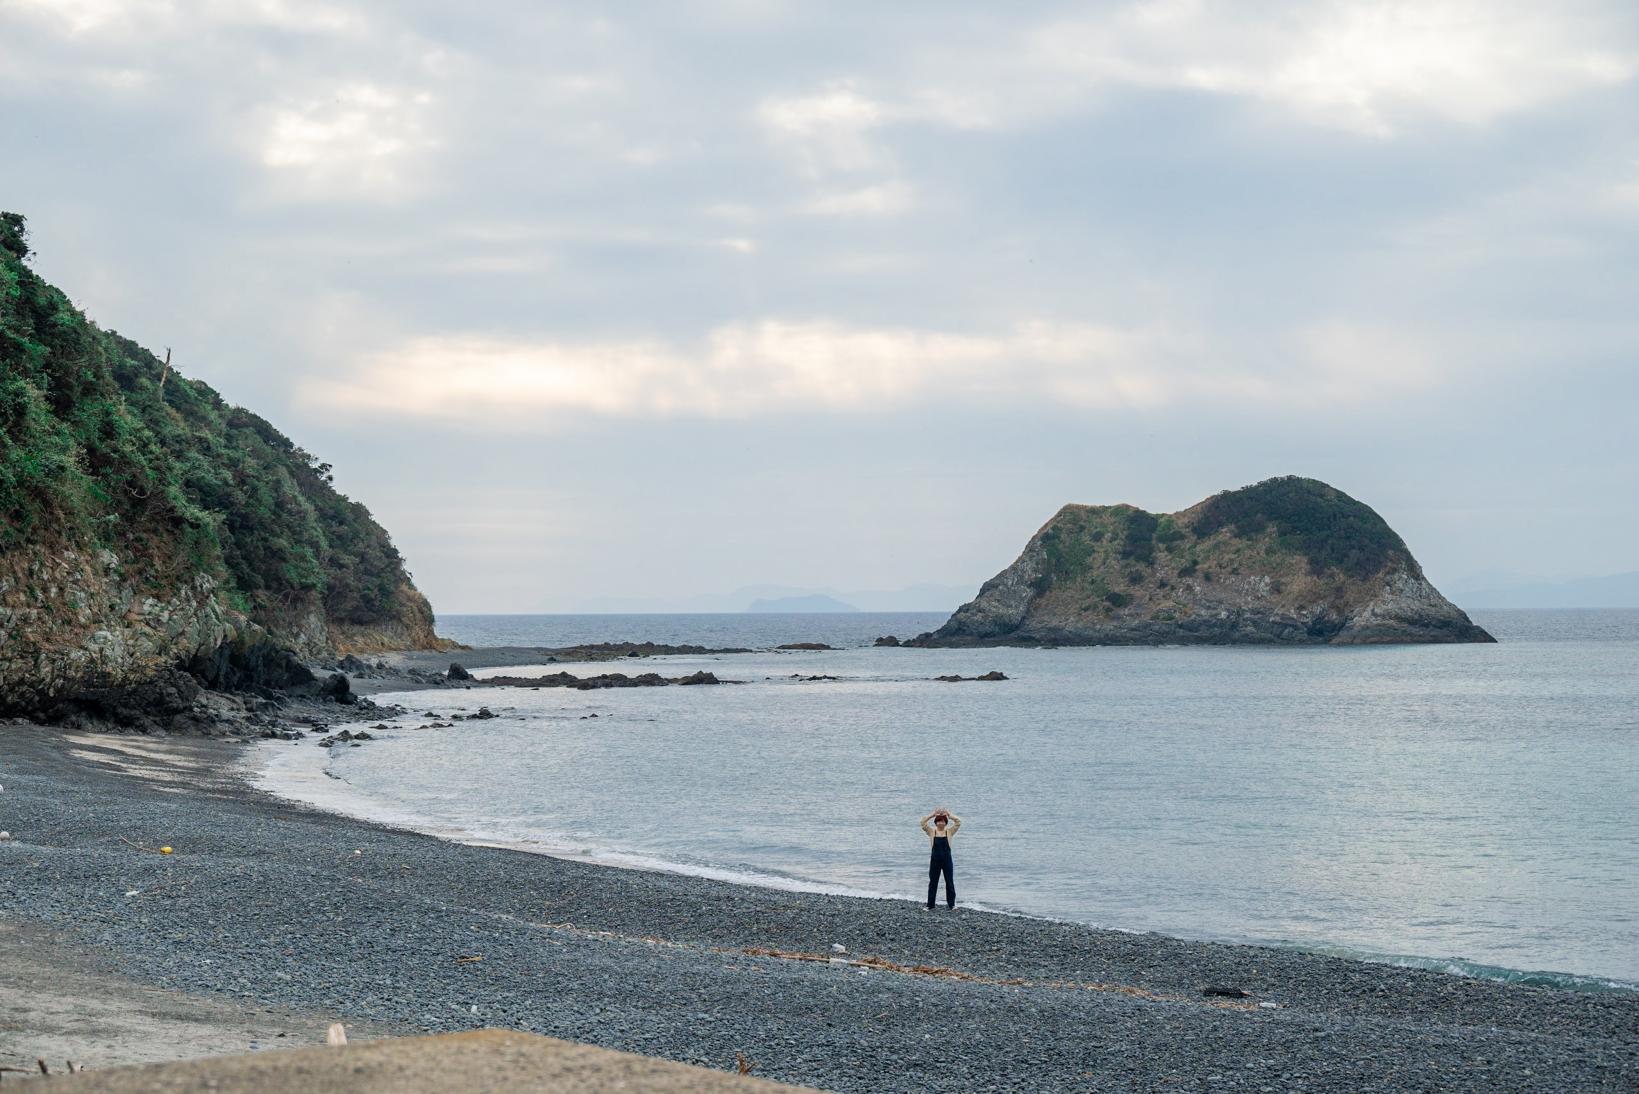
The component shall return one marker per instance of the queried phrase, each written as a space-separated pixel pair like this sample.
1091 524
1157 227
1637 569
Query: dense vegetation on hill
1318 521
1285 560
102 446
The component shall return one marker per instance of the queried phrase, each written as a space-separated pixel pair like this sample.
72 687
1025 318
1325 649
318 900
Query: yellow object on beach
164 850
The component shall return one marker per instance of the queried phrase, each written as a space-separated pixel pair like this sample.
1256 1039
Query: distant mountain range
790 598
1491 590
816 602
1612 591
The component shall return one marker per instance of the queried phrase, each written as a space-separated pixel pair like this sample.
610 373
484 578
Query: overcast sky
653 300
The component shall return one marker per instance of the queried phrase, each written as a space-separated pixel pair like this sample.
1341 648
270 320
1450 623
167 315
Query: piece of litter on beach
336 1034
839 960
474 1008
1266 1005
133 892
4 836
837 947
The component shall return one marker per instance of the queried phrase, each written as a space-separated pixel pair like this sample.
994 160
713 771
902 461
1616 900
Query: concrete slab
488 1061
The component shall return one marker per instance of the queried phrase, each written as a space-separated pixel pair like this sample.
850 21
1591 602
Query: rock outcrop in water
1287 561
148 527
606 680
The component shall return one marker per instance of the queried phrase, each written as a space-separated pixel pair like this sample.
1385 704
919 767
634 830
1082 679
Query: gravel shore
274 905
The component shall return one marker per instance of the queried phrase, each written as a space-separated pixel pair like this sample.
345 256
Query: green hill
144 520
1288 560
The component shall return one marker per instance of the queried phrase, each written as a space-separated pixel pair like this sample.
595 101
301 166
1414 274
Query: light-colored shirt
950 829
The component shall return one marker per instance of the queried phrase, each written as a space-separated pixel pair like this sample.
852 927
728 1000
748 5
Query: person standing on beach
940 826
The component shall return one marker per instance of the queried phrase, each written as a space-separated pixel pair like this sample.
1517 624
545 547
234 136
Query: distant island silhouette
816 602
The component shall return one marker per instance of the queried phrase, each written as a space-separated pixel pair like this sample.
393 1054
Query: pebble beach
268 904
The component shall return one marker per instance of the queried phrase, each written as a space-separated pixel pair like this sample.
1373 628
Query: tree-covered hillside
101 446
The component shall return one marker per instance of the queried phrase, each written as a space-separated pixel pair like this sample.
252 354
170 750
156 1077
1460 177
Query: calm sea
1465 807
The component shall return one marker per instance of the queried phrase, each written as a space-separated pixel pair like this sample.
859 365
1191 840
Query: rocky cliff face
1289 560
148 527
72 621
409 626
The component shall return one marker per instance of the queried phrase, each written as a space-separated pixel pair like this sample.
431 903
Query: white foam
301 773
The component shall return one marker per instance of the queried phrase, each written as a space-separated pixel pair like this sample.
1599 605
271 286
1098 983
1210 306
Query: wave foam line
300 775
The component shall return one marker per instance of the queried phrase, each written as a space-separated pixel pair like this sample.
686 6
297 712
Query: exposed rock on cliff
1290 560
147 526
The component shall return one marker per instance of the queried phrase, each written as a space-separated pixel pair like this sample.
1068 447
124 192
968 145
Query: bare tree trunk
166 375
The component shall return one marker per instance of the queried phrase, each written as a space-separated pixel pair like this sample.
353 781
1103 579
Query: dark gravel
273 903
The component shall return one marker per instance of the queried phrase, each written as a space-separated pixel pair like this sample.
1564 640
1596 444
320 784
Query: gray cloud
685 296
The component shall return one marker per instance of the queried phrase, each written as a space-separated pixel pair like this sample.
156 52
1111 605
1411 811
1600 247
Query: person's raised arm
925 821
955 823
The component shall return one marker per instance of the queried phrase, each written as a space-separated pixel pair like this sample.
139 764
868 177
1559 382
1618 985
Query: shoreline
273 904
264 773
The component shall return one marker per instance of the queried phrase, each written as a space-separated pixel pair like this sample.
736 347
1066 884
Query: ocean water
1469 807
728 631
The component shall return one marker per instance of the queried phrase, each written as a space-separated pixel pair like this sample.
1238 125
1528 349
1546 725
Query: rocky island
1289 560
154 538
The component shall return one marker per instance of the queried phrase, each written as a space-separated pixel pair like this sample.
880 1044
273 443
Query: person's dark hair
937 817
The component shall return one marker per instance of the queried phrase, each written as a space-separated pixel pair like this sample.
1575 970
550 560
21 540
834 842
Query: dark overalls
941 863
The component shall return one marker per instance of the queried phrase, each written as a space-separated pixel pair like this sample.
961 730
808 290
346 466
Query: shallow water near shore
1461 807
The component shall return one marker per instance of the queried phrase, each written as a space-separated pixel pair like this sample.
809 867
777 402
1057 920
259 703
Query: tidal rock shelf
605 680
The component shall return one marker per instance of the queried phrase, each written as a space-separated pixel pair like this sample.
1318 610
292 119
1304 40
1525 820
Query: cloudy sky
653 300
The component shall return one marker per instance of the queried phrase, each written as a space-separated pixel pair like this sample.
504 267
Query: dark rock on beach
886 640
804 646
336 688
992 675
458 673
347 736
609 651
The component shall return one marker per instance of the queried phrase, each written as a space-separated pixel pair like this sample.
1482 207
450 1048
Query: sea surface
1473 808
